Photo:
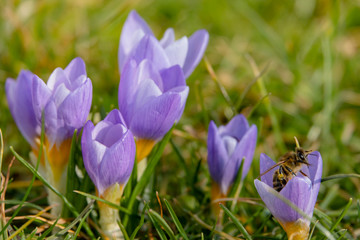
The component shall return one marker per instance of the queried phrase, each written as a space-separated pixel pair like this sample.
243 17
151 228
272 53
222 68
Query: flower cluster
152 97
152 90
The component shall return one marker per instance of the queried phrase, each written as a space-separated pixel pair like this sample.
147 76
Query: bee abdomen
278 181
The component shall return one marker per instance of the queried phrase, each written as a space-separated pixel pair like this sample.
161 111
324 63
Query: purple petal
132 80
75 69
52 123
40 96
172 77
244 149
111 134
75 108
315 167
297 190
315 170
19 96
155 118
265 164
168 38
217 155
127 89
134 29
118 162
92 152
149 48
197 46
177 51
115 117
236 128
57 78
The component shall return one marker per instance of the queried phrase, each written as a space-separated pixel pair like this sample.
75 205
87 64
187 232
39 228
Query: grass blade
42 137
341 215
163 223
77 219
113 205
49 230
71 175
123 230
154 158
133 235
158 228
339 176
220 86
47 184
176 220
237 223
237 186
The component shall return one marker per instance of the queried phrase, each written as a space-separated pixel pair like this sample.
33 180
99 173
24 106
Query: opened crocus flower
228 146
109 153
151 100
301 191
65 101
186 52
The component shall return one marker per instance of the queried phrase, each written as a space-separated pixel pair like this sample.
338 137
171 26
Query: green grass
308 55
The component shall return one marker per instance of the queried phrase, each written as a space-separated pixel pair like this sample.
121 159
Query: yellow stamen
143 148
298 230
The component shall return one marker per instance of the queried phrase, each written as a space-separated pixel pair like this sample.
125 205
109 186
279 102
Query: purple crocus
227 147
151 98
109 153
185 52
301 190
65 101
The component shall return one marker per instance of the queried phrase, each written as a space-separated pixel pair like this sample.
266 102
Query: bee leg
304 174
290 170
282 179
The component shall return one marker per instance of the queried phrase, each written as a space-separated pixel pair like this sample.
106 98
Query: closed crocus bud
228 146
109 153
151 100
301 190
65 101
185 52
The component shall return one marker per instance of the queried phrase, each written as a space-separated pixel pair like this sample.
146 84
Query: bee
289 165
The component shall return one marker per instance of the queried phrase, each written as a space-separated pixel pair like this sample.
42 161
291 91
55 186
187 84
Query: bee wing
272 167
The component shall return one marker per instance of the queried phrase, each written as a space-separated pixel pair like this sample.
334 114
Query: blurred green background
307 51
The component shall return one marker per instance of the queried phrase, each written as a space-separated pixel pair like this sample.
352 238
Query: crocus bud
109 153
65 101
228 146
151 100
185 52
301 190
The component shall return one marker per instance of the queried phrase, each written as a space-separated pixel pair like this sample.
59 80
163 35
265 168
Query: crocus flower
185 52
65 101
301 190
151 100
109 153
228 146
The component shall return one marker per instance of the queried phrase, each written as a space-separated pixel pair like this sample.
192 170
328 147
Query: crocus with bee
300 191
